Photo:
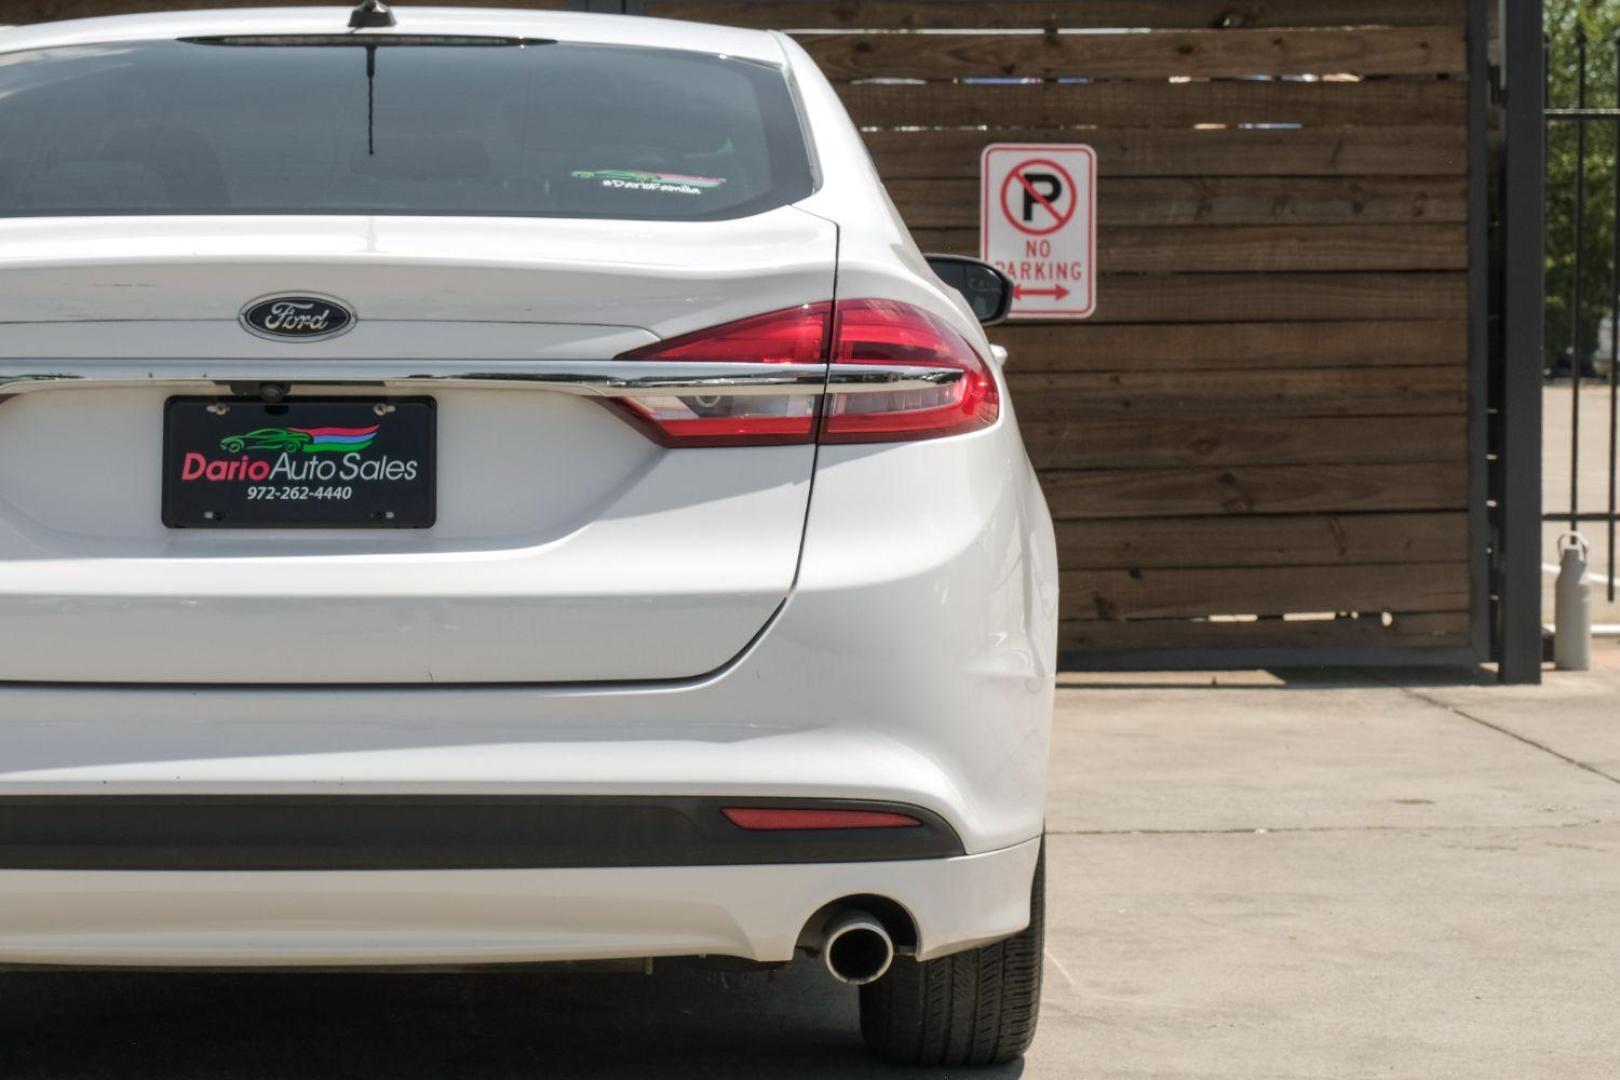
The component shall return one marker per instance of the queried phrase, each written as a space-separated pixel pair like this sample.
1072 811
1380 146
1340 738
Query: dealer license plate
350 463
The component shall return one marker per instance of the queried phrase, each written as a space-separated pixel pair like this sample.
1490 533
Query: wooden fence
1269 414
1262 439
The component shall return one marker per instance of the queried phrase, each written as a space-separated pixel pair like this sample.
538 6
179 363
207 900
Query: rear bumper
382 918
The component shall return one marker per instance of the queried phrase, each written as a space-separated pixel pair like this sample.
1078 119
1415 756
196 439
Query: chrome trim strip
587 378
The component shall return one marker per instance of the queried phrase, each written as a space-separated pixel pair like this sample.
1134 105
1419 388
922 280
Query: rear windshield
355 125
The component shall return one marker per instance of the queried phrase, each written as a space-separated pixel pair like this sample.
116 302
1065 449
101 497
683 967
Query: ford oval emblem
298 318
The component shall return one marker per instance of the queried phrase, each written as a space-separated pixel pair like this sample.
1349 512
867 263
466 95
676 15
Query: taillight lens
794 336
857 332
889 332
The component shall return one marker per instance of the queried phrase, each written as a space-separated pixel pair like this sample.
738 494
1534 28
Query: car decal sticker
637 180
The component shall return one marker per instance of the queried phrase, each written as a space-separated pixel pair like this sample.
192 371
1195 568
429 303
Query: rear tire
977 1007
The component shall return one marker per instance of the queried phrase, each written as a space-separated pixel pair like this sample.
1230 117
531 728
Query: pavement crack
1456 710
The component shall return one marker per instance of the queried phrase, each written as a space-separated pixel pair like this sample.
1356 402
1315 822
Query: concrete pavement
1250 877
1338 879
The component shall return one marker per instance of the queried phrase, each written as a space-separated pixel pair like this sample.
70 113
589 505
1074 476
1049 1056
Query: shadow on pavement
1312 678
680 1022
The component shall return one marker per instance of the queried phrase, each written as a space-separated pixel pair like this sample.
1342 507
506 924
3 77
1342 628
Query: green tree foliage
1569 24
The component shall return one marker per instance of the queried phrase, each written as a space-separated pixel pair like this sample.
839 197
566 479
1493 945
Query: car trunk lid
567 546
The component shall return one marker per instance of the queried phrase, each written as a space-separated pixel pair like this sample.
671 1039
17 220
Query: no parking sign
1039 225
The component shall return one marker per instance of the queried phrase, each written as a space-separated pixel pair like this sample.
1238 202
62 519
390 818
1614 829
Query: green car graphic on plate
266 439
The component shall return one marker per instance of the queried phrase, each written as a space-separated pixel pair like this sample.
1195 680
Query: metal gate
1582 360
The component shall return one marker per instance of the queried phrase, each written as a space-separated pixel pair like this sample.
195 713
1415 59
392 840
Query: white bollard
1572 631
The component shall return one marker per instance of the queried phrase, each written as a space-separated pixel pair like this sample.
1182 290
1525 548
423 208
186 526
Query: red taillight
889 332
794 336
766 819
858 332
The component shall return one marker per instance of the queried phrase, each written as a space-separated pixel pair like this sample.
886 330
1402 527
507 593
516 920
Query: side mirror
989 292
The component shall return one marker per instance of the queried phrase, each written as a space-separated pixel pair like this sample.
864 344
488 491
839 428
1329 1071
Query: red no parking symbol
1039 197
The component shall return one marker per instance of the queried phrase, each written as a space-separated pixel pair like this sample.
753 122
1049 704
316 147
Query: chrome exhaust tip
856 948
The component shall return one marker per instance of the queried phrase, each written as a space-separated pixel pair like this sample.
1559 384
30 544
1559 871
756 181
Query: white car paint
865 622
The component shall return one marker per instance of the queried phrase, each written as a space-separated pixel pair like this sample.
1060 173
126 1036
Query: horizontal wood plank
1223 298
1215 202
1260 297
1256 489
1440 629
1252 249
1402 391
1110 595
1155 104
1077 347
1263 248
1415 50
1322 540
1067 443
1434 150
1198 246
1043 14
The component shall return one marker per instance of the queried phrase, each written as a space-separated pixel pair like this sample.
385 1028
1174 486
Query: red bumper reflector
767 819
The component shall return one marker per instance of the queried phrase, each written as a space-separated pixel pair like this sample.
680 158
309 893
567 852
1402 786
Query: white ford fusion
488 488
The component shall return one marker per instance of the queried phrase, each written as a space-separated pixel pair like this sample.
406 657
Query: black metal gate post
1518 450
1482 633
